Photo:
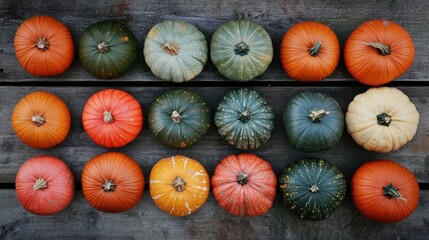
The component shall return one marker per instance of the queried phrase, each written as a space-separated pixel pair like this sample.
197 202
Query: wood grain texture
275 16
147 221
78 148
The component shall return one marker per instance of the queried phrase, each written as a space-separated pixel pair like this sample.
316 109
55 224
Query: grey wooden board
147 221
78 148
276 16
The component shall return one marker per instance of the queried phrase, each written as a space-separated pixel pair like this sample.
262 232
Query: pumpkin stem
40 184
175 116
241 49
317 115
244 116
242 178
42 44
108 186
315 50
170 48
179 184
314 188
108 117
390 191
103 47
38 120
381 48
384 119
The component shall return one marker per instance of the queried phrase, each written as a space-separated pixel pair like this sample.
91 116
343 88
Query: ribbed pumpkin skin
310 135
121 170
193 123
195 191
55 196
126 123
296 58
366 64
244 118
252 198
367 189
296 185
52 56
228 38
121 53
175 51
363 123
52 130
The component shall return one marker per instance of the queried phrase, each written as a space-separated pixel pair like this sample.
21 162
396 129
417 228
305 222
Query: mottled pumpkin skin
115 57
191 124
175 51
244 118
312 188
313 121
241 50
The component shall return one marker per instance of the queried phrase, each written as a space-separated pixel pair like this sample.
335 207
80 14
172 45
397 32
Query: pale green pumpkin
175 51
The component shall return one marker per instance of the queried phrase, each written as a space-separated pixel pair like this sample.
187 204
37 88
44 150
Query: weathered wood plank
146 221
276 16
77 149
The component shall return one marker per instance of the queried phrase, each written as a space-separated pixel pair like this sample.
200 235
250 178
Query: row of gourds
377 52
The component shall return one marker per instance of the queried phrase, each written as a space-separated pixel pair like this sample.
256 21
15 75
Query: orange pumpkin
44 46
309 51
41 120
179 185
378 51
112 182
244 185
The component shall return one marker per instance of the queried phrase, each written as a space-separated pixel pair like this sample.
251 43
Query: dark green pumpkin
241 50
179 118
312 188
107 49
313 121
244 118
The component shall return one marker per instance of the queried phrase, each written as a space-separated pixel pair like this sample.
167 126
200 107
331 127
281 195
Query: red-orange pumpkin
309 51
112 182
112 118
44 46
384 191
244 185
378 51
41 120
44 185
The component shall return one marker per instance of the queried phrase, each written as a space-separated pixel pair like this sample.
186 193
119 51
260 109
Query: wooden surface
75 86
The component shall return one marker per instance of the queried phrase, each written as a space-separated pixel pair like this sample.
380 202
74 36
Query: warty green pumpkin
312 188
241 50
175 51
179 118
244 119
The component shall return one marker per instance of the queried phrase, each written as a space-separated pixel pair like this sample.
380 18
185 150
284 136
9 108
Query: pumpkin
241 50
384 191
244 118
382 119
313 121
112 182
41 120
44 185
309 51
112 118
312 188
175 51
44 46
378 51
107 49
179 118
179 185
244 185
